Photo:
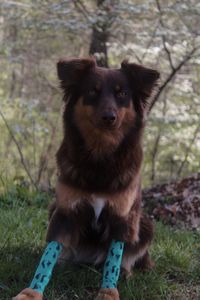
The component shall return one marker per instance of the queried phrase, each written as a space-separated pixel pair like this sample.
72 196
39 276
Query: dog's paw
126 275
107 294
28 294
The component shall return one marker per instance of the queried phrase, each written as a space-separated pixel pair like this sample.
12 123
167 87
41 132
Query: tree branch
44 157
50 84
168 52
173 73
149 44
19 150
188 150
157 142
163 37
82 9
154 154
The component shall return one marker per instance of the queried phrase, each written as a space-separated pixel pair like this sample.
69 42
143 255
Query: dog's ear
143 82
71 71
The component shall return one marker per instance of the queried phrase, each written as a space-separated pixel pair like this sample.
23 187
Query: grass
23 223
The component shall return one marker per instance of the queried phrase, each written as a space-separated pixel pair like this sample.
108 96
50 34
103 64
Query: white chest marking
98 205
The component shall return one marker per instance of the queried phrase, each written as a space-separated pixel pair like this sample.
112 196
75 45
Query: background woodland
34 34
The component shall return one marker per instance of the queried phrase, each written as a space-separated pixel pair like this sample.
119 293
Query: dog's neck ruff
106 174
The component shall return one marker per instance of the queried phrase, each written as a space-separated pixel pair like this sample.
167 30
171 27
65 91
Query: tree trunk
100 36
98 46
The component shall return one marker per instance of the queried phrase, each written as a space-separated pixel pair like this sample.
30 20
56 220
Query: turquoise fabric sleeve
45 267
112 265
49 258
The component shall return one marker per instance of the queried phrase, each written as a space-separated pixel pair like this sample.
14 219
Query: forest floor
23 223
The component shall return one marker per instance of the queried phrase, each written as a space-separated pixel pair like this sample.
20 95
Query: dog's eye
121 94
92 93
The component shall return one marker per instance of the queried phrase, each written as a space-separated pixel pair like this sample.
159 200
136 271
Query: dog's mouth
106 127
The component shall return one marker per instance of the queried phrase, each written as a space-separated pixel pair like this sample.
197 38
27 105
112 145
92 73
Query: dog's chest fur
98 205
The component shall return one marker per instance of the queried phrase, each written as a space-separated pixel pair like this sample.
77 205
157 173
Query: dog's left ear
143 82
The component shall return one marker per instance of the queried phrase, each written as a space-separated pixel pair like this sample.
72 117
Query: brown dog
99 164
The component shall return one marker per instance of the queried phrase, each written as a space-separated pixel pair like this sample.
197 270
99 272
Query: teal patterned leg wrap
46 265
112 265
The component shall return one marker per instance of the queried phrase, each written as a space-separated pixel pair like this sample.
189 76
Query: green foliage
17 195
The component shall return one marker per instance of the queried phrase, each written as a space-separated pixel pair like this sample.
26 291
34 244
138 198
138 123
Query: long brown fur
102 162
98 193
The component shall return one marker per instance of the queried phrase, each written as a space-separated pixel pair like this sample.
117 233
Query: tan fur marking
127 116
128 260
123 201
107 294
65 240
68 197
28 294
100 141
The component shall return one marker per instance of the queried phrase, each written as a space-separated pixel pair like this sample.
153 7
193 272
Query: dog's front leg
42 274
111 272
58 237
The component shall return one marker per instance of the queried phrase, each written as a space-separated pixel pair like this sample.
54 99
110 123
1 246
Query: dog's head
106 102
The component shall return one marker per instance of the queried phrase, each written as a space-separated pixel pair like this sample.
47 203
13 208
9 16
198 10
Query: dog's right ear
144 82
71 71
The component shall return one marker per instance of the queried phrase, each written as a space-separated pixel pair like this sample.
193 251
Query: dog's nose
109 117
